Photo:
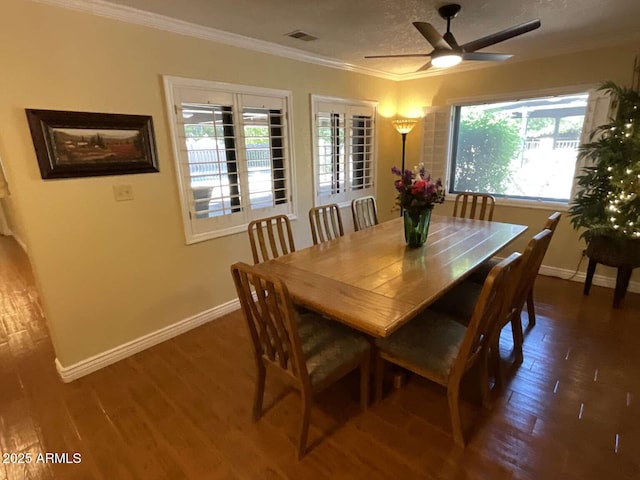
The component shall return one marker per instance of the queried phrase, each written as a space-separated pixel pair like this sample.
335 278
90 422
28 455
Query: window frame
350 108
242 97
507 200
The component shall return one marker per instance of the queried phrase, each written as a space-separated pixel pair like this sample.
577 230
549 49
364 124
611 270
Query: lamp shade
404 125
444 60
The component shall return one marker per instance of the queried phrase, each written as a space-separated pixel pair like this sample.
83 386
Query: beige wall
112 271
109 272
577 69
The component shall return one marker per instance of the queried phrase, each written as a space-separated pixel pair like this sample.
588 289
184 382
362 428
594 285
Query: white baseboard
599 280
566 274
85 367
101 360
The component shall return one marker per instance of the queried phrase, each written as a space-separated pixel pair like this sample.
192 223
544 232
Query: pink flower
419 187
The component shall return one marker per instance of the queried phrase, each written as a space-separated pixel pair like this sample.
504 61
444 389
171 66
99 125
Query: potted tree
607 205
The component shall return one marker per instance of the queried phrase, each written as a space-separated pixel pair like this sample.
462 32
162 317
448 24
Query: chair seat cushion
431 342
327 345
460 301
480 274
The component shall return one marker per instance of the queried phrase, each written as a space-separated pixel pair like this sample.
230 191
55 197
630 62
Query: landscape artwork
82 144
76 145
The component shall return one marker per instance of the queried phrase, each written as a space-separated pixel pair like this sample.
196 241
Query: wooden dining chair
270 238
326 223
482 271
365 213
551 225
531 261
460 301
439 347
311 351
472 205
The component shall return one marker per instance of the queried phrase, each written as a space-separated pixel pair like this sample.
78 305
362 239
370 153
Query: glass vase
416 226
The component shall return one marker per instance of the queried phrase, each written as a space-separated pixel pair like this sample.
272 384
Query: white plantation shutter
264 126
361 150
232 153
207 152
343 149
330 150
436 127
596 114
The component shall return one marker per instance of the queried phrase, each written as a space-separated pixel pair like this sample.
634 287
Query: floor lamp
404 126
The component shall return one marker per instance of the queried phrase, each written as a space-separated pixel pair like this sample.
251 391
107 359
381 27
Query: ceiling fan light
446 60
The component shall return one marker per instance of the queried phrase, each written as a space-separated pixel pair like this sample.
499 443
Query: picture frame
85 144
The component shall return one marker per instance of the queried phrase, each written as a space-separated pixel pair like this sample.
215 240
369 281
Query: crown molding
135 16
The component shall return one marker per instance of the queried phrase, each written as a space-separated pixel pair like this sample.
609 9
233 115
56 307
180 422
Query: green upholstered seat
326 345
431 341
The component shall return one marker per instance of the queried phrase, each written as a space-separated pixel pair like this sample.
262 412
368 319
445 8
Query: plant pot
416 226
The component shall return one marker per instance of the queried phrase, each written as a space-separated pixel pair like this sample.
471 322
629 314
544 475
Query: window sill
194 238
522 203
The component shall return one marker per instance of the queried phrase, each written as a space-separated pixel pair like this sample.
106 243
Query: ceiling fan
446 51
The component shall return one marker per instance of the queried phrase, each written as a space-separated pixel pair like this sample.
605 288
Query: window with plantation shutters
344 156
465 143
522 149
232 153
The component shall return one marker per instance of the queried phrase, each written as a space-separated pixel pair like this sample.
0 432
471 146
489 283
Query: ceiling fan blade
432 35
451 40
501 36
426 66
492 57
399 55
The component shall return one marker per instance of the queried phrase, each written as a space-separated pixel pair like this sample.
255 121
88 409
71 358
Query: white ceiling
347 30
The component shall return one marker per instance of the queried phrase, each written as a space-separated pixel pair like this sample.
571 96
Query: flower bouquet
417 194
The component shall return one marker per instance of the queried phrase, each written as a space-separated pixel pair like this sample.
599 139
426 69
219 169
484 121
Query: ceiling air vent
300 35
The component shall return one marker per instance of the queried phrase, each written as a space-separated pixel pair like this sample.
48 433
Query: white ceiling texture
347 30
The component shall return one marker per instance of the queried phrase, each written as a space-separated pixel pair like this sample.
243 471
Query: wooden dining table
372 281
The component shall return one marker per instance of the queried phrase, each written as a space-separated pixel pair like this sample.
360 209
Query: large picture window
344 139
523 149
232 154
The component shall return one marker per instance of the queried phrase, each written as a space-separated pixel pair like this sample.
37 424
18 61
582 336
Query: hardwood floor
182 409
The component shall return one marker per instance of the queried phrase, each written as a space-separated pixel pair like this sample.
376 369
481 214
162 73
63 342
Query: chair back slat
271 318
326 223
492 306
270 238
471 205
365 213
267 320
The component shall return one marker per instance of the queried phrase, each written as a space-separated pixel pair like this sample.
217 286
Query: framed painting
83 144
